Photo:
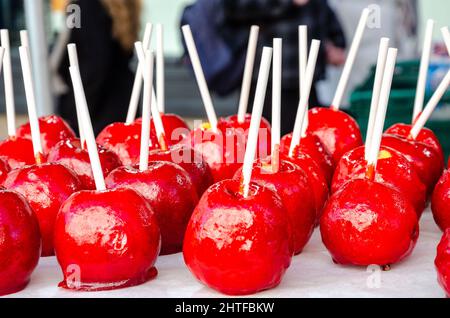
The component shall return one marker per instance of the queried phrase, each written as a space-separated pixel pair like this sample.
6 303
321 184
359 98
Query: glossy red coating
426 136
53 130
440 202
224 152
4 169
337 131
264 142
423 157
17 152
238 245
45 187
316 178
393 169
170 192
124 140
20 242
69 153
312 146
191 161
442 262
291 183
106 240
368 223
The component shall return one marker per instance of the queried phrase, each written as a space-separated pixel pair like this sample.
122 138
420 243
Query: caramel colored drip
370 172
206 126
163 143
384 154
39 159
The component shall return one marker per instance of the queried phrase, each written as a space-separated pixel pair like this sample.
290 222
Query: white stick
446 35
137 85
2 53
381 65
303 60
248 72
87 128
9 88
336 104
276 93
145 130
73 61
200 76
423 71
428 110
24 40
154 107
31 100
382 107
304 96
160 88
255 123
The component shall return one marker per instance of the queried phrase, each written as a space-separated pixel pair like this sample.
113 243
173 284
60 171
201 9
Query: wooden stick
304 96
25 61
248 73
336 104
73 61
446 35
160 85
423 71
260 95
9 87
276 101
87 128
378 82
200 76
145 130
137 85
381 113
428 110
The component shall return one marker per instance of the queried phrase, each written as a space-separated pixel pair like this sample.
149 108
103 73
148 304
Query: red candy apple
426 136
442 262
337 131
423 157
69 153
291 183
191 161
315 175
17 152
238 245
45 187
106 240
440 202
53 130
223 151
368 223
170 192
124 140
4 169
312 146
20 242
393 169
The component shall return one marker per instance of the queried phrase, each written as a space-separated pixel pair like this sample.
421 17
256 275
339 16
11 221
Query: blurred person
221 30
105 43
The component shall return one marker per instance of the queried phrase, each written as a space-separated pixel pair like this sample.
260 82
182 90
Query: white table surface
311 274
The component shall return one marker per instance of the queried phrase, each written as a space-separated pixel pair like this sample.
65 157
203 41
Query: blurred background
109 28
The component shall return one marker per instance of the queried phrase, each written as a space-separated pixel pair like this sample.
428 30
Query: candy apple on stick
393 168
336 130
425 159
45 185
282 176
221 149
104 239
367 222
20 246
165 186
238 240
16 151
